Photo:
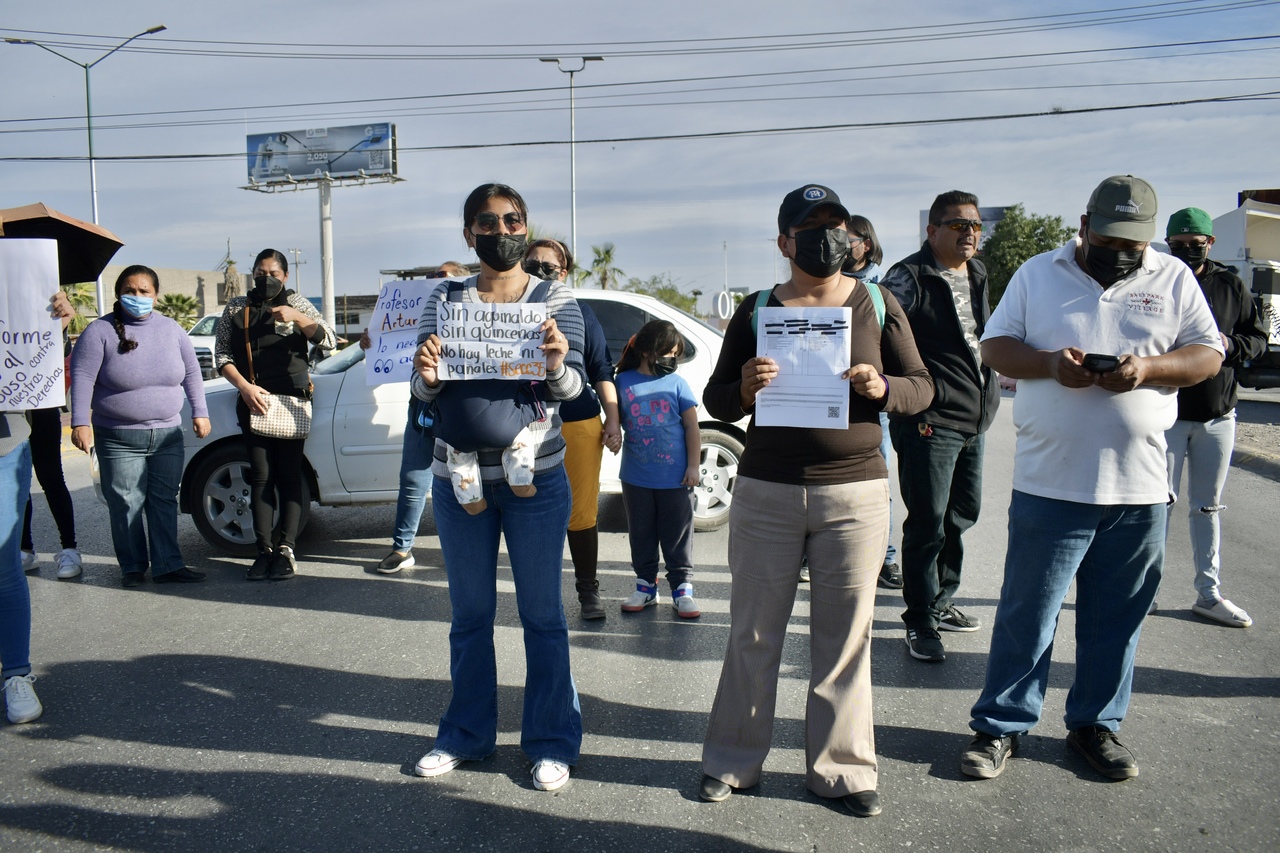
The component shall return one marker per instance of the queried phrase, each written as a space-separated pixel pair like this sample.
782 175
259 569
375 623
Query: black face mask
821 251
500 252
1107 266
268 285
538 269
1192 256
664 366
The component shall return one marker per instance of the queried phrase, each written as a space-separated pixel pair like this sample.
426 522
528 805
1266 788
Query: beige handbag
286 416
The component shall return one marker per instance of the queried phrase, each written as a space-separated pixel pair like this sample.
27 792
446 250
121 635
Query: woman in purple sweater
125 369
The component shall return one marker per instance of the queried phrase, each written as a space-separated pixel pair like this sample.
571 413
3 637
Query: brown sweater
818 457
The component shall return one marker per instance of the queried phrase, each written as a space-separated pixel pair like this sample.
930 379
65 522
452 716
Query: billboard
306 155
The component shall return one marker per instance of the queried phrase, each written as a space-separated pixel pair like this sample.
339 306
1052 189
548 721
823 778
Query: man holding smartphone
1089 483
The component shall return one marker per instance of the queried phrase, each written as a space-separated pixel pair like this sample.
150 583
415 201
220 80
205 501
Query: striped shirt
566 384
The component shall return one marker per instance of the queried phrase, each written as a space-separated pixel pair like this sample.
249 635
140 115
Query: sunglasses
961 225
543 270
488 222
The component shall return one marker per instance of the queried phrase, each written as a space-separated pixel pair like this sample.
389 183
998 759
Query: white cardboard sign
488 341
393 330
32 375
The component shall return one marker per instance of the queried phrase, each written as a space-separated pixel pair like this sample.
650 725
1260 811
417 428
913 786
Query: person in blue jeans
131 371
1089 479
415 463
495 225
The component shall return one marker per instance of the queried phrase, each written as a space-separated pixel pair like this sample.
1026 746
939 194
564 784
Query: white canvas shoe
21 702
549 774
1224 612
68 562
30 561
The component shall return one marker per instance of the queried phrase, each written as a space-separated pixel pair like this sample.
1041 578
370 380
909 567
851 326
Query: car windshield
206 326
340 361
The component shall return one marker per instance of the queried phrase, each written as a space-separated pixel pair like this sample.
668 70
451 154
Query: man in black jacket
943 290
1205 431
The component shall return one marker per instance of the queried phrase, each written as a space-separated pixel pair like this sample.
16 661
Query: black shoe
714 791
862 804
1104 752
890 576
925 644
129 580
953 620
261 566
284 566
592 606
182 575
985 757
394 562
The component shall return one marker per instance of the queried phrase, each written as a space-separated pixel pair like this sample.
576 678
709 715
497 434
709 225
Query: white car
203 339
352 455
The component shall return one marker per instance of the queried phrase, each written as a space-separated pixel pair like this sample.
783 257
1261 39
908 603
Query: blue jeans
886 449
1206 450
940 476
15 597
141 469
415 484
534 529
1115 554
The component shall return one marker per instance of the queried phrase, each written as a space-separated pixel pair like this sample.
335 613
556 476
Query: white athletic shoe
437 762
682 601
644 596
549 774
20 699
30 561
68 561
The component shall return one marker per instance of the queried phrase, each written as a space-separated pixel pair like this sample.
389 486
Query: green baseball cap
1125 207
1190 220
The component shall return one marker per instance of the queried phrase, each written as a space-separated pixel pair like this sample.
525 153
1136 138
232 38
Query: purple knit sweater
140 389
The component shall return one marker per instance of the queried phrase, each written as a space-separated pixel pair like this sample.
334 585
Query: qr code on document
833 411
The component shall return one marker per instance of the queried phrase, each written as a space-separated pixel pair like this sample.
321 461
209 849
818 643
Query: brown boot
584 548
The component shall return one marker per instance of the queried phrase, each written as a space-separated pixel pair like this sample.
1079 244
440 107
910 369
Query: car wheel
221 510
718 470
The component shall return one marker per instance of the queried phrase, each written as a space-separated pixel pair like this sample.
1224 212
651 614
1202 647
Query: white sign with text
393 330
487 341
32 375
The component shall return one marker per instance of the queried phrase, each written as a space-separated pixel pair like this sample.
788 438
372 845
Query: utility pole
297 273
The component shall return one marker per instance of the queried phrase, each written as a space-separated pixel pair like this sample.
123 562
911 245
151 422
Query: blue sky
677 206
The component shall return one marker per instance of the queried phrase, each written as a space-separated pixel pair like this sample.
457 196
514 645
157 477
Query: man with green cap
1205 431
1098 334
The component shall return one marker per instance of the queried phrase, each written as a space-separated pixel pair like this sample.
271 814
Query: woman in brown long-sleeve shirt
820 492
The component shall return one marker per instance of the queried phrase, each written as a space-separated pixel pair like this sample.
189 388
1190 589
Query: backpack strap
761 299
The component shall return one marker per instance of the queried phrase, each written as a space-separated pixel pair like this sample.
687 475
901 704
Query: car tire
717 471
220 500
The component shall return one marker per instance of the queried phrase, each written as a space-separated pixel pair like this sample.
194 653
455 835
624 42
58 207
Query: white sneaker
20 699
68 560
549 774
682 601
804 573
437 762
1225 612
30 561
644 596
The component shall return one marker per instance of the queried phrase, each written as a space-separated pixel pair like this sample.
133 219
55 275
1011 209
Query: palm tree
602 267
84 299
180 307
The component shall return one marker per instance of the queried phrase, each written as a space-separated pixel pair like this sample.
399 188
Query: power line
719 134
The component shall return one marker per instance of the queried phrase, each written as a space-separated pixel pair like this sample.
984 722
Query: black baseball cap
799 203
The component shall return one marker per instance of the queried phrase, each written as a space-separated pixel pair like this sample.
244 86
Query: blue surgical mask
138 306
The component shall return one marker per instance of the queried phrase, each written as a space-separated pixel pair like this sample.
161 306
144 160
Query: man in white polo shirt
1099 335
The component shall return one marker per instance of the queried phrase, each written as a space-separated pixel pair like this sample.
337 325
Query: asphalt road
236 716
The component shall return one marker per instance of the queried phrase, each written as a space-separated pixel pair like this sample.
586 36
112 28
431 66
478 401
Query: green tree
180 307
1015 240
663 288
602 268
84 299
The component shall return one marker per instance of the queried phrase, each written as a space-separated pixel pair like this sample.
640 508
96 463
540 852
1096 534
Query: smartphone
1099 363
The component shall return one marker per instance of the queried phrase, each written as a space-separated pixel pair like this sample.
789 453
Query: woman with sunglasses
585 437
494 219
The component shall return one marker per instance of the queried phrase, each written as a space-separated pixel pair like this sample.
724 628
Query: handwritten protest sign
487 341
31 369
393 330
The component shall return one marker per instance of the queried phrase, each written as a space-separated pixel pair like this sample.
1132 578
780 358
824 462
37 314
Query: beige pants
844 529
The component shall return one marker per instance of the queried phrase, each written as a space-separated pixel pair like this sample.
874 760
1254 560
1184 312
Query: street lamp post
88 113
573 160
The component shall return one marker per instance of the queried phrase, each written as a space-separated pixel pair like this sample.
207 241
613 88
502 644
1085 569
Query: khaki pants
844 530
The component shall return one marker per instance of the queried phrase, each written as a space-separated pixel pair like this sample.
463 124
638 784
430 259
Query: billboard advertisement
306 155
